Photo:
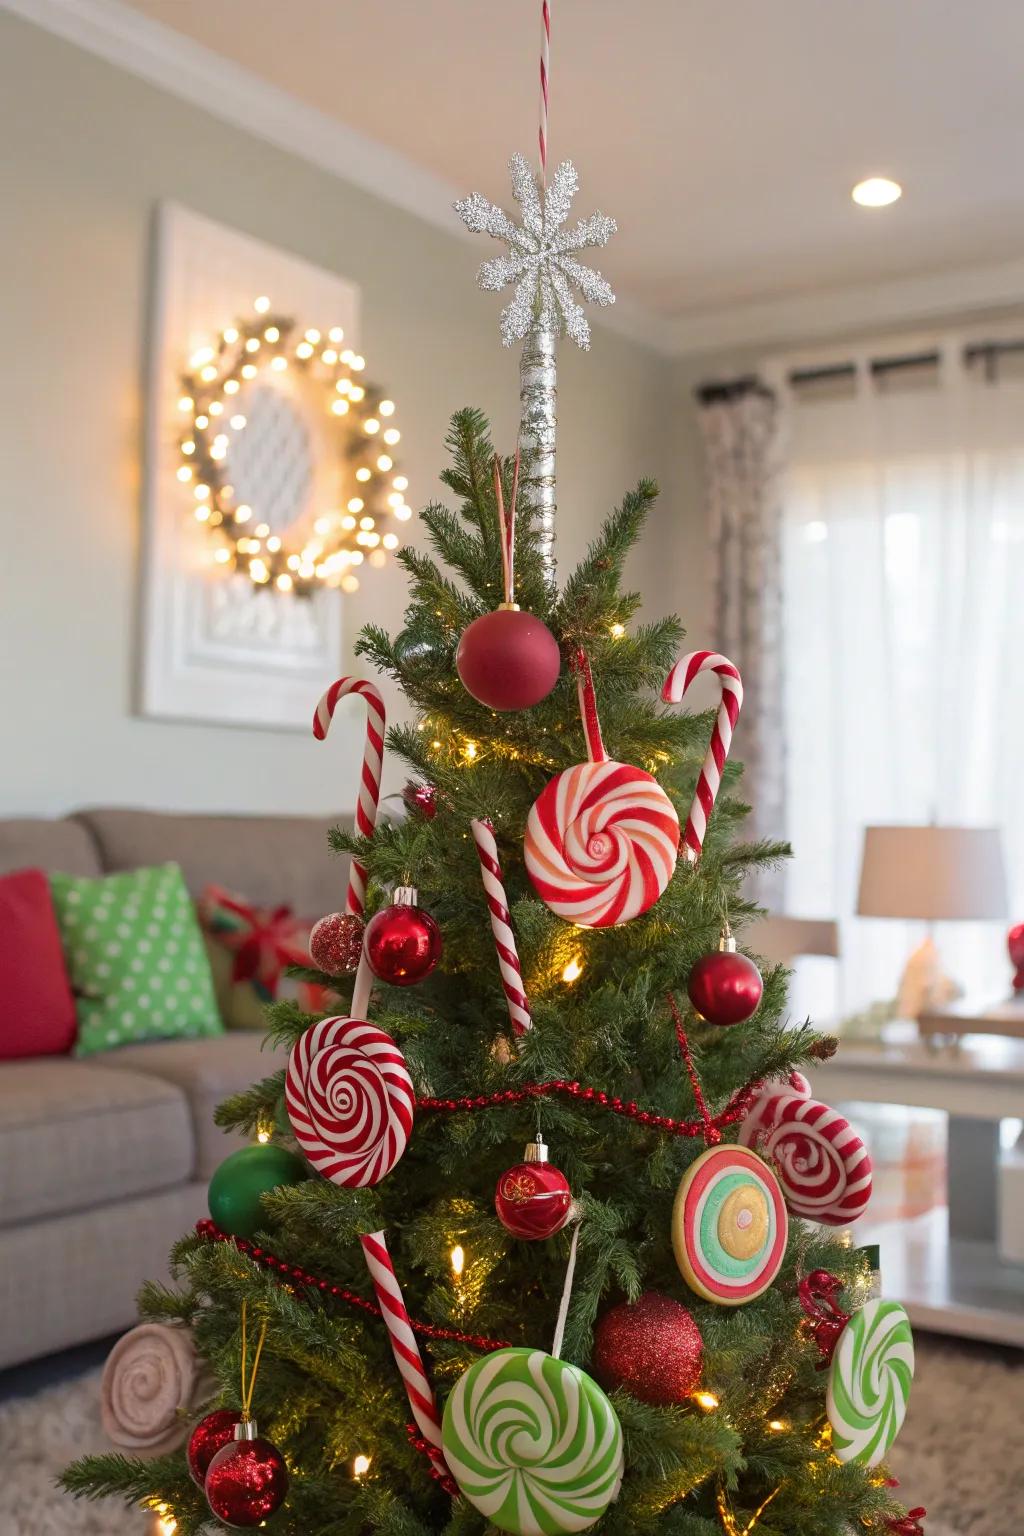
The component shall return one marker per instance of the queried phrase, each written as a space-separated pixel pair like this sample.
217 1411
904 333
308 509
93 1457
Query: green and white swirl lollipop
869 1382
533 1443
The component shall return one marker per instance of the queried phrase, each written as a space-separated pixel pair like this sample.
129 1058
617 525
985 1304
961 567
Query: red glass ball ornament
724 986
651 1347
247 1480
403 943
1015 946
210 1435
336 942
421 798
533 1199
508 659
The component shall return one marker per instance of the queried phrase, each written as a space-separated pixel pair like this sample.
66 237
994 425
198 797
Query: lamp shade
932 873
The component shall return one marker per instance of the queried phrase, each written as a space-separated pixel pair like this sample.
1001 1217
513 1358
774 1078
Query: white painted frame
215 649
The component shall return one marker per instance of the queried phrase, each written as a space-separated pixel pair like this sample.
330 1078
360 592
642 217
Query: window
903 586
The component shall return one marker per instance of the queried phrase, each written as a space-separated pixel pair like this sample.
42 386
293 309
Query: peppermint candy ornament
821 1162
602 837
869 1382
754 1123
350 1100
533 1443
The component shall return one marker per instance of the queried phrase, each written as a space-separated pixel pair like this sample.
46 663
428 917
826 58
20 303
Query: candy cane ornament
405 1348
369 781
676 685
602 837
501 927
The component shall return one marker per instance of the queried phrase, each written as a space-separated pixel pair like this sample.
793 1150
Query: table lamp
931 874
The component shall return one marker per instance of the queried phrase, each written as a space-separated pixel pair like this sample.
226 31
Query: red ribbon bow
908 1524
819 1297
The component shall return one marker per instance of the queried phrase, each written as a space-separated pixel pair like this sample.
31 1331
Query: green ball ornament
240 1181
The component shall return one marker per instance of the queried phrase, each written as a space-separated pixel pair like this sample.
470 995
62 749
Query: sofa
104 1161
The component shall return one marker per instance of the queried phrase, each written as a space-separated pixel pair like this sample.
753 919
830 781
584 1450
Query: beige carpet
961 1453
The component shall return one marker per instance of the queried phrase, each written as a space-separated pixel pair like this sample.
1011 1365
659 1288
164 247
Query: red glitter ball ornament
403 943
247 1480
651 1347
725 987
336 942
533 1199
210 1435
508 659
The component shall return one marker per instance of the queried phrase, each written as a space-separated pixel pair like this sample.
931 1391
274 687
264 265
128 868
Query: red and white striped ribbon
676 684
545 69
369 782
404 1346
588 707
501 927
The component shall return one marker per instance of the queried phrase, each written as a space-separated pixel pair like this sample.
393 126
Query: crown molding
827 313
196 74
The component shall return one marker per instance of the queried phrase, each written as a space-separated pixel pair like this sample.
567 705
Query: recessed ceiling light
877 192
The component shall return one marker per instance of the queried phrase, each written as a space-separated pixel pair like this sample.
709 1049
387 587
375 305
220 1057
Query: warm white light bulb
390 541
876 192
360 1466
261 305
387 408
363 474
392 436
336 333
573 971
400 483
458 1258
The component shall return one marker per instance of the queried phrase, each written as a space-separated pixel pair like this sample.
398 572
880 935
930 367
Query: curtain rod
986 351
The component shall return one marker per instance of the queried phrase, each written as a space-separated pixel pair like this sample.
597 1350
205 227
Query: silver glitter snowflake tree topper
541 260
541 263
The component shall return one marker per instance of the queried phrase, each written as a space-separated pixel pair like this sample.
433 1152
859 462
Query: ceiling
723 137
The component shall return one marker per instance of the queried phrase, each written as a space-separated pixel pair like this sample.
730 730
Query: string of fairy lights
339 538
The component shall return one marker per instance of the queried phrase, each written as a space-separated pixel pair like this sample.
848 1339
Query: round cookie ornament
533 1443
869 1382
729 1226
602 837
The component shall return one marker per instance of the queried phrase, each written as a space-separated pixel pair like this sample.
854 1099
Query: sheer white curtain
903 580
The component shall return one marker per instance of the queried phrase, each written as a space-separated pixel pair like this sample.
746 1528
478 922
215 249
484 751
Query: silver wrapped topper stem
537 421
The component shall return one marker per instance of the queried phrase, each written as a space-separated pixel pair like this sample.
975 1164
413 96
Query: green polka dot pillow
136 959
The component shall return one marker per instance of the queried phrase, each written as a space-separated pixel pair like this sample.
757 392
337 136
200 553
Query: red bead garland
424 1447
292 1274
737 1107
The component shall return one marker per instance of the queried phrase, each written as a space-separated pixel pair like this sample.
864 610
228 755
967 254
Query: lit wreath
342 535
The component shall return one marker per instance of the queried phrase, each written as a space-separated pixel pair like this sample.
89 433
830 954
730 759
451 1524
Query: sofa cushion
74 1136
37 1011
27 842
205 1071
273 859
136 958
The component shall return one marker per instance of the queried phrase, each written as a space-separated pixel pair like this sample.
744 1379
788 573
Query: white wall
87 153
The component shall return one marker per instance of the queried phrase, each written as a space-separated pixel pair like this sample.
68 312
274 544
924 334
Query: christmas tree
522 1243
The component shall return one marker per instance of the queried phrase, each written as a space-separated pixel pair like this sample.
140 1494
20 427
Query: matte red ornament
725 987
403 943
247 1480
508 659
652 1347
210 1435
533 1199
1015 946
336 942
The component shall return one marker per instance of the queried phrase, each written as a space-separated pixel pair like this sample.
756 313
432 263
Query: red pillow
37 1010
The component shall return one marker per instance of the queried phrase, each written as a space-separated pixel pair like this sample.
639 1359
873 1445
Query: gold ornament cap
508 607
246 1429
726 942
536 1152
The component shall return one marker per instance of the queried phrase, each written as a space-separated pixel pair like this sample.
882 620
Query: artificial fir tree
724 1427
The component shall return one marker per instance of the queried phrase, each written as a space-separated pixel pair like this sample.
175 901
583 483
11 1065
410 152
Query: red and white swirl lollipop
602 838
350 1100
822 1164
